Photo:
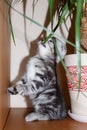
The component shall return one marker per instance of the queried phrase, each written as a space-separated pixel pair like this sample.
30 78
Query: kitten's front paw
12 90
16 90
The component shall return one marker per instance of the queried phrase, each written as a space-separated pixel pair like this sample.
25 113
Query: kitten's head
46 49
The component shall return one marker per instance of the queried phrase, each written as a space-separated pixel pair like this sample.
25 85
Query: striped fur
41 85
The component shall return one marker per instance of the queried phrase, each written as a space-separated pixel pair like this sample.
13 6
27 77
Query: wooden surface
4 63
16 122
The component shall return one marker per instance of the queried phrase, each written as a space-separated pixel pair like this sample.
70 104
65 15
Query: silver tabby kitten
41 85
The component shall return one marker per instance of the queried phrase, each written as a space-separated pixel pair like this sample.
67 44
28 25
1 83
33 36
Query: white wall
21 50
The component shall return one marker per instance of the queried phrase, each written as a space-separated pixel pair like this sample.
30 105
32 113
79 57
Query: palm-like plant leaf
33 7
77 30
9 17
51 5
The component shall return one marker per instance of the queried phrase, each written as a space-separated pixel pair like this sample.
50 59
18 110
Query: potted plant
77 67
69 7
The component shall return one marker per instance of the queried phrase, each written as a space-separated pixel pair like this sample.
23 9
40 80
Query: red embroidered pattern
73 70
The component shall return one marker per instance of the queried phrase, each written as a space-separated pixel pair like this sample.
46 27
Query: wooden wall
4 63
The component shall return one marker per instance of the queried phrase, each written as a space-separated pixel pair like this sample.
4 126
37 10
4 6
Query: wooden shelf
16 121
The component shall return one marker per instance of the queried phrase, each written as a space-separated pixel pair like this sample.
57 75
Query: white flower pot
78 100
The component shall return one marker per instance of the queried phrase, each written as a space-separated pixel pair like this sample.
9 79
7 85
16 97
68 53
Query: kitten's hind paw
31 117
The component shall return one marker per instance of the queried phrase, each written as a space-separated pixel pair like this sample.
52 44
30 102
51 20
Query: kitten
41 85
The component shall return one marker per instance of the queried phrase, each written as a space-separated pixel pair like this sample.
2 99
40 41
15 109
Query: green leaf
33 6
70 12
77 30
62 16
73 1
11 27
85 1
51 5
